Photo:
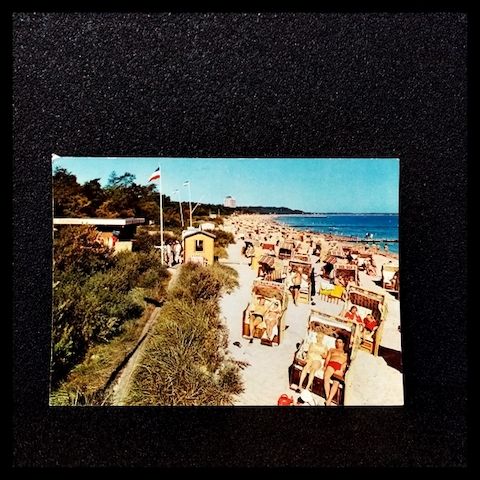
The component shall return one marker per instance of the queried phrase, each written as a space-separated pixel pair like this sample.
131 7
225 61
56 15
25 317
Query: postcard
226 282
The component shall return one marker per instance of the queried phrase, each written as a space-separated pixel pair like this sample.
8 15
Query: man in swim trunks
335 363
315 356
296 282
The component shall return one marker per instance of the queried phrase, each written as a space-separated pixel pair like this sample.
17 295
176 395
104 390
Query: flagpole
161 217
190 203
181 209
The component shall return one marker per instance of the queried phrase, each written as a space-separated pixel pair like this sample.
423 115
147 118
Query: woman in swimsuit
256 313
336 362
271 317
315 356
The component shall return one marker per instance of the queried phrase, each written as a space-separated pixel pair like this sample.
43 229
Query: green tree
69 200
95 194
77 249
115 181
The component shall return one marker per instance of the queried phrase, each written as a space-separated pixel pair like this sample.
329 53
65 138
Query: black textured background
281 85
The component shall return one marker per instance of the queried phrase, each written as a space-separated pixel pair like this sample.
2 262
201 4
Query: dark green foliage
196 283
69 200
121 197
76 249
95 293
185 361
145 241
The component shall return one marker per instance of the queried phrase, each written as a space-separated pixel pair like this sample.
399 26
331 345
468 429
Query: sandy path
122 384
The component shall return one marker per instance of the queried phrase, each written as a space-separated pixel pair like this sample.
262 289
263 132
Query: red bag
284 400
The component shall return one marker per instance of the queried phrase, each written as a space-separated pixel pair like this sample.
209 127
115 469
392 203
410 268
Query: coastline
344 240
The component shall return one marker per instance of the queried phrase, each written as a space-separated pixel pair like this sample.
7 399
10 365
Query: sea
378 227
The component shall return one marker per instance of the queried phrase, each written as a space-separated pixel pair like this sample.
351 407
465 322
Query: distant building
230 202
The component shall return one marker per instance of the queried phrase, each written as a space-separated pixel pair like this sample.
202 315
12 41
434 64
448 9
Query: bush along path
119 384
185 360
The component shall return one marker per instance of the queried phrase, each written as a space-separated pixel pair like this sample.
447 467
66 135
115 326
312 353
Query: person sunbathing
272 316
256 315
353 315
335 363
315 357
351 280
370 323
370 269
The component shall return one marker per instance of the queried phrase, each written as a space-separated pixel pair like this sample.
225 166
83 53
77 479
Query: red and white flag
155 175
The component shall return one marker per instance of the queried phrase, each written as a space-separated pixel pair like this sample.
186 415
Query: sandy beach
371 380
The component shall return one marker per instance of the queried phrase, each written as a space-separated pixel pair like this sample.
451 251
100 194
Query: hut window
199 245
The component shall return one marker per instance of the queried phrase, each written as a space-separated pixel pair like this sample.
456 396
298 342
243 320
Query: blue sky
313 185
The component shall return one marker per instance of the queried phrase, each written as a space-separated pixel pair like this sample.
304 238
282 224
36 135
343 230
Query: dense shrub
226 275
185 361
93 309
196 283
76 249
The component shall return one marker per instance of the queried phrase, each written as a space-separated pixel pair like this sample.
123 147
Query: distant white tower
230 202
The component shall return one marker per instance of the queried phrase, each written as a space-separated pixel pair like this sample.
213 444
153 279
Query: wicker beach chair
332 327
367 302
343 273
269 291
391 278
305 287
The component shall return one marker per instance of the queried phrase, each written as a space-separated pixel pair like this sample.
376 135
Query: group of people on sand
368 324
333 361
173 253
266 310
